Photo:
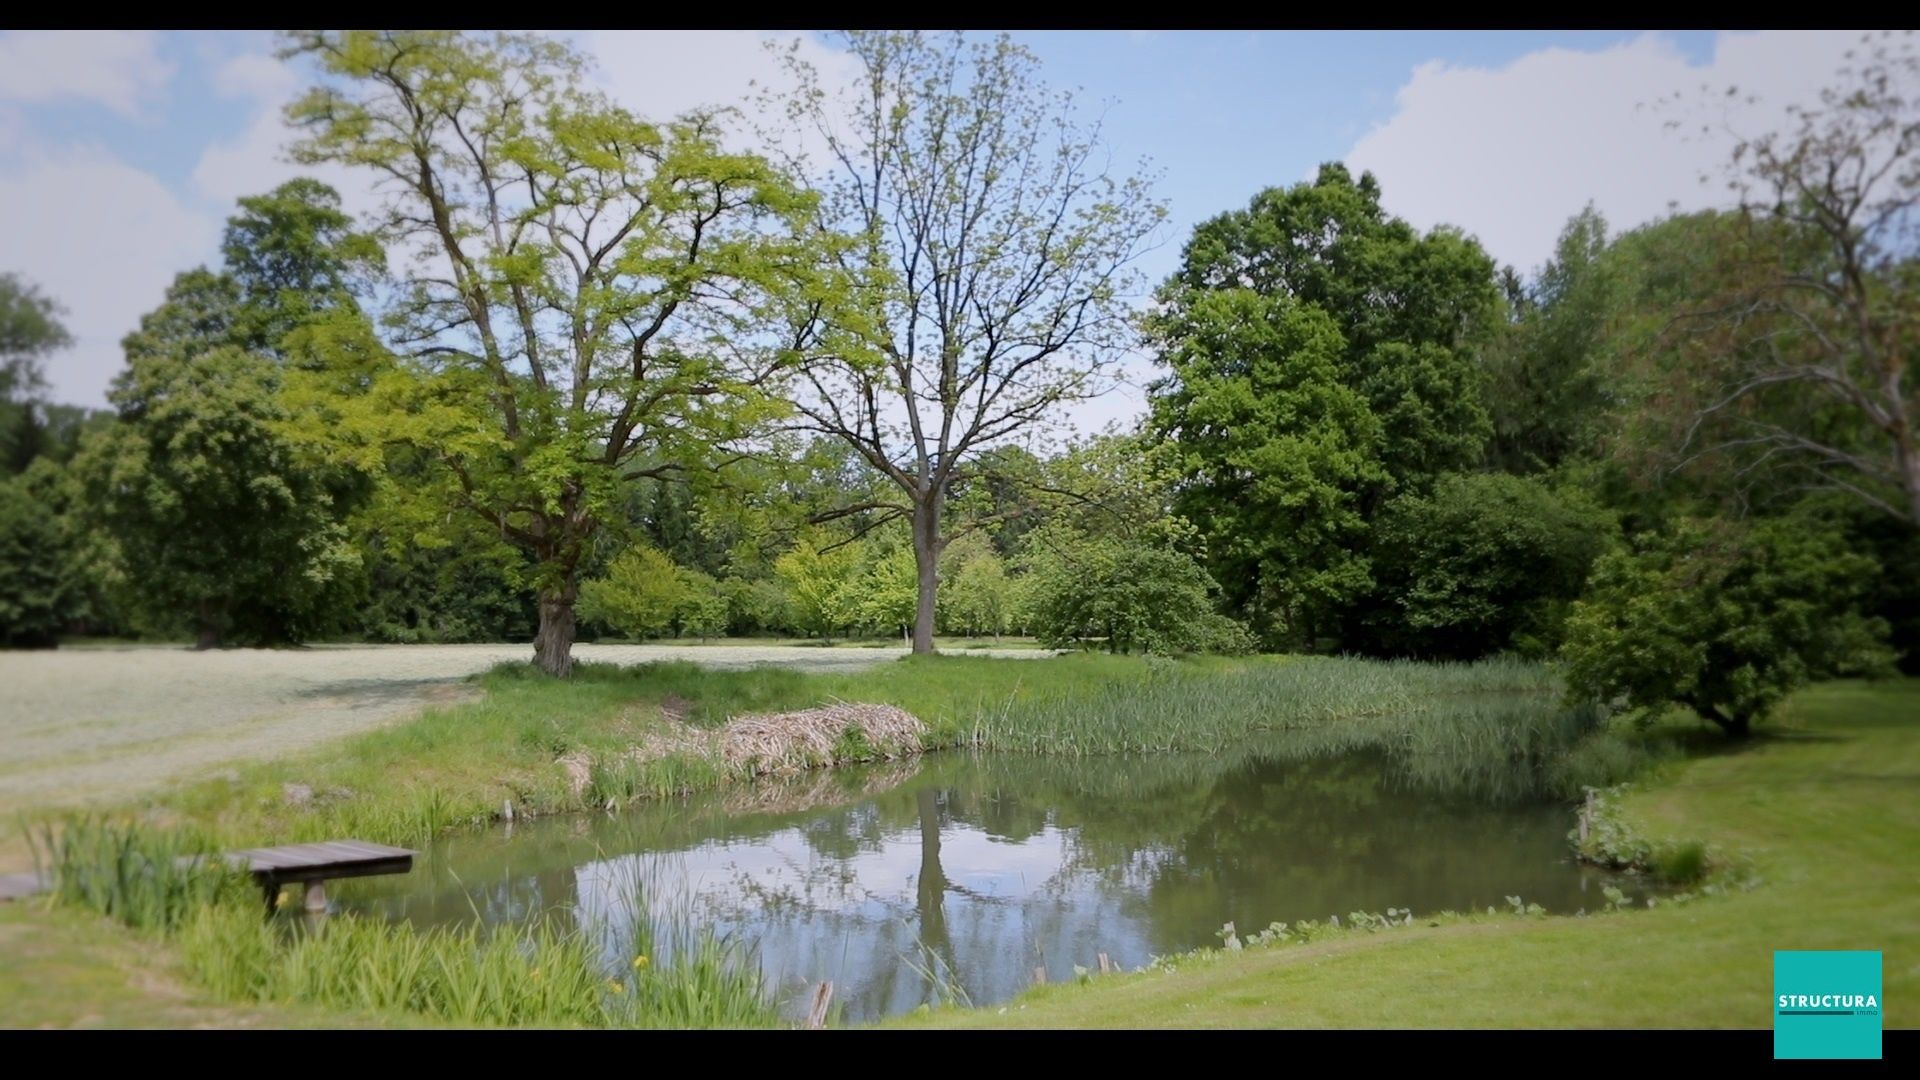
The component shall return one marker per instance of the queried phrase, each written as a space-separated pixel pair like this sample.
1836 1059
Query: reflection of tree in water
986 866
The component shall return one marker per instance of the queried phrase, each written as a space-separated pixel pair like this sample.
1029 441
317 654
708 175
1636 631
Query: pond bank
1823 803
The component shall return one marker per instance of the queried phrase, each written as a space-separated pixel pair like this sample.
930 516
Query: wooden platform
312 865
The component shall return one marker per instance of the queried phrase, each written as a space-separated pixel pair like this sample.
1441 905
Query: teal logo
1826 1004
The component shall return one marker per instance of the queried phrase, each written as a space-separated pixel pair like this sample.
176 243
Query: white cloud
661 74
1509 154
255 160
120 69
103 238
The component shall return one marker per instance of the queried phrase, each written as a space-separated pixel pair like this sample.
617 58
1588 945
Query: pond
955 876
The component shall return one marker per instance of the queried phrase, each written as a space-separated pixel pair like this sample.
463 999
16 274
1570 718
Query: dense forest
593 375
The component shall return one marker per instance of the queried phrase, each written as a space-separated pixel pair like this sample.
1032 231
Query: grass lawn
1826 803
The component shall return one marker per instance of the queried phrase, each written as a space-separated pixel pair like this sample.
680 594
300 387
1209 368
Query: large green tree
30 330
1483 563
1410 307
586 307
1322 356
1277 454
223 518
219 519
986 269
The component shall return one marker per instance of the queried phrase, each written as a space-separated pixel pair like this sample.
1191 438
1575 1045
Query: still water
901 881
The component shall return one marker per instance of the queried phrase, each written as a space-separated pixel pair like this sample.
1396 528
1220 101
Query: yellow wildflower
640 962
616 986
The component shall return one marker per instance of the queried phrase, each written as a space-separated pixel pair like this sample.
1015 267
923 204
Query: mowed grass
1826 804
463 765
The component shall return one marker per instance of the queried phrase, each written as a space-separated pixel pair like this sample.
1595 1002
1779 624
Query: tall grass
540 974
148 880
544 973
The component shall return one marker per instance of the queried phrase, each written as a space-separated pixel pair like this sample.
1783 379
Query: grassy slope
75 969
1828 807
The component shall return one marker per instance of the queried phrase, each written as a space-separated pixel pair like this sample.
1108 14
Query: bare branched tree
986 261
1807 349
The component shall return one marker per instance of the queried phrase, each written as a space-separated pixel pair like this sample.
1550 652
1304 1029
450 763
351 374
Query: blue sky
121 152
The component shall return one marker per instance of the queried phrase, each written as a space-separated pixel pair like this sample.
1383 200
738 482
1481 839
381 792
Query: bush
1724 618
1132 596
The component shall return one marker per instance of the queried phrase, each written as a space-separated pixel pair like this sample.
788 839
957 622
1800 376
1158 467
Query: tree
589 315
1277 455
222 515
1548 394
1485 562
641 595
30 329
38 583
1805 347
978 595
1411 309
984 269
1724 618
822 586
297 260
218 518
888 591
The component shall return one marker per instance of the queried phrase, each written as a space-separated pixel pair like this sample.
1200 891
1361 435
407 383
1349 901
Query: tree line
584 371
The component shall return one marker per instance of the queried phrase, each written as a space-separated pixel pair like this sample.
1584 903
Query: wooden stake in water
817 1013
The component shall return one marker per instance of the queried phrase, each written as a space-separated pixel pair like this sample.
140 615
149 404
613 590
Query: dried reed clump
769 742
774 742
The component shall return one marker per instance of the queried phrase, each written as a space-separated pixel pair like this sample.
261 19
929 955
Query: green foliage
1485 563
30 329
644 594
978 595
1299 401
640 595
536 975
889 587
1277 454
1327 244
220 520
148 880
40 586
822 587
1723 618
1548 391
1130 596
598 304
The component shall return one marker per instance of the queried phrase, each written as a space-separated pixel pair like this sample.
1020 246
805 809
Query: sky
122 152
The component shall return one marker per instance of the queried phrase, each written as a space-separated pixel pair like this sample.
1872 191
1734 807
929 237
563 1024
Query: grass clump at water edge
547 974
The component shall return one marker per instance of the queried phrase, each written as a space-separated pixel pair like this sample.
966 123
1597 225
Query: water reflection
898 882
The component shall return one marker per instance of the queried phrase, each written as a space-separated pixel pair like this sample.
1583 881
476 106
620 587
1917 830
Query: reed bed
542 974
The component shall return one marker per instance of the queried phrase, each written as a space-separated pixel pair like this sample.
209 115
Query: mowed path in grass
1826 804
87 725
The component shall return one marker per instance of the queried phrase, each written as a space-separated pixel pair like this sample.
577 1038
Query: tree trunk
553 644
207 634
1736 727
926 563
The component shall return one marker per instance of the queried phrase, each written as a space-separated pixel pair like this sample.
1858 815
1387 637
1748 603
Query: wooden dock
313 865
273 868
